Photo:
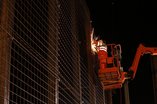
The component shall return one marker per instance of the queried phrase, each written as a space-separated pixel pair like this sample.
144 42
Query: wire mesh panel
44 53
68 57
33 61
28 81
30 49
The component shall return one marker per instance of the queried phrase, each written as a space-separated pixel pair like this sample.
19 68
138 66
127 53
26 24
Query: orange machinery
112 75
110 71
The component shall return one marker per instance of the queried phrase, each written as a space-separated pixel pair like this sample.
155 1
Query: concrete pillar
108 97
5 43
154 76
126 92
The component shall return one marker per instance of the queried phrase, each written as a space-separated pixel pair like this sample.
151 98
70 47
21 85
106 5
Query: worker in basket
102 53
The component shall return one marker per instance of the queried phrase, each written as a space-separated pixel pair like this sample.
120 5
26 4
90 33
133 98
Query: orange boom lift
110 71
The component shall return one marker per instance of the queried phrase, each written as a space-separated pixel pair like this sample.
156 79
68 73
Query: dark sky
129 22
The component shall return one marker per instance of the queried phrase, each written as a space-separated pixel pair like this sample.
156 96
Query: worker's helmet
101 43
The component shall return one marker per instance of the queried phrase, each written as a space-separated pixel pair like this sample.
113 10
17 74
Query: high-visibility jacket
102 55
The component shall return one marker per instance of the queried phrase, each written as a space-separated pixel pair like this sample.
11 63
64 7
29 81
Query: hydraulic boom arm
141 50
110 71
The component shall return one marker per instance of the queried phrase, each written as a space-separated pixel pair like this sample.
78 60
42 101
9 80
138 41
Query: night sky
129 23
